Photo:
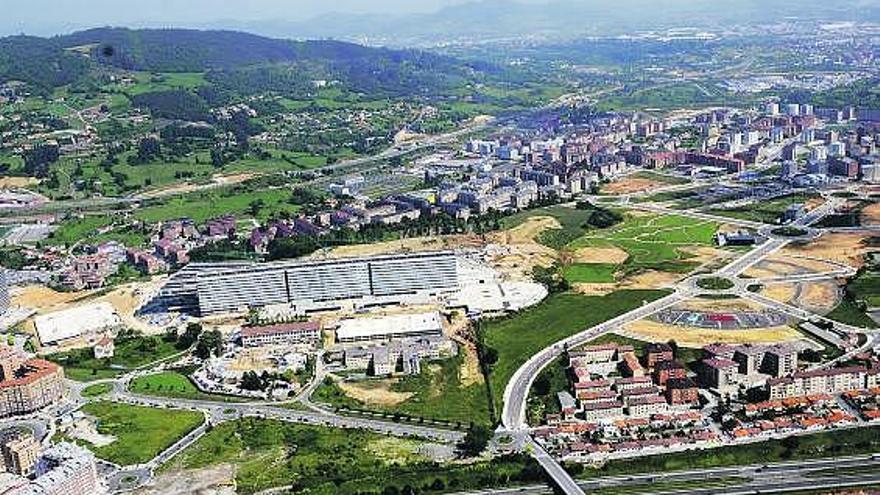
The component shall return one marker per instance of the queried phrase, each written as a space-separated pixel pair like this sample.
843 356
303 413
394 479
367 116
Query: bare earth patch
822 297
871 214
375 392
17 182
719 305
412 245
842 248
784 293
611 255
630 185
652 331
212 480
650 279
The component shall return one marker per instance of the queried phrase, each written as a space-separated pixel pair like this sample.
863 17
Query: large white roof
72 323
396 325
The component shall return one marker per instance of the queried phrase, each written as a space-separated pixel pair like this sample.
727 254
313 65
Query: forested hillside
234 61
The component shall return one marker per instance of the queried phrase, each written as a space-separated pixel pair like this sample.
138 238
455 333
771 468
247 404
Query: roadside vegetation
173 384
329 461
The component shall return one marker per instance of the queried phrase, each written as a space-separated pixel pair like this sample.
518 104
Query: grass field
81 365
172 384
437 393
86 229
141 432
765 211
206 205
849 313
329 461
97 389
590 273
653 241
518 337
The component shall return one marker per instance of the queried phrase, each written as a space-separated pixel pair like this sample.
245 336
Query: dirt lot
871 214
214 480
375 392
612 255
698 337
783 293
630 185
719 305
842 248
14 182
413 245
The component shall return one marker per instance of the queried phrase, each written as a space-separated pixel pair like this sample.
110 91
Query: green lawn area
206 205
86 229
849 313
141 432
329 461
172 384
825 444
866 286
590 273
768 211
97 389
133 352
516 338
437 393
653 242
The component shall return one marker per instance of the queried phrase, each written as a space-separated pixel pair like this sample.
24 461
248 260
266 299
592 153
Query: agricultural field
328 461
141 433
516 338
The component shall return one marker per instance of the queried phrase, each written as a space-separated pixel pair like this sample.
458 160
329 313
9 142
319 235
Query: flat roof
284 328
389 325
71 323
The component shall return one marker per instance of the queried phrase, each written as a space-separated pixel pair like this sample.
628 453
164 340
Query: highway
777 477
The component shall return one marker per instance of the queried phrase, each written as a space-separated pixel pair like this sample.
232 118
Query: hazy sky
44 17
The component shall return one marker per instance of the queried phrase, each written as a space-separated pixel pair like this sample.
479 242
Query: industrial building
218 288
389 328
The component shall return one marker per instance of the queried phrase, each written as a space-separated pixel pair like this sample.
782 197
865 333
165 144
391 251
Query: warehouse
389 328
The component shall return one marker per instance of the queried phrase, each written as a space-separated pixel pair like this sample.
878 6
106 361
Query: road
517 390
783 476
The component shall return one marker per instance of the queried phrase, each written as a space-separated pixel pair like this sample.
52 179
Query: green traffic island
97 390
789 231
715 283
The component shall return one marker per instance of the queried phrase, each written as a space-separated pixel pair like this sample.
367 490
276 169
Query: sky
47 17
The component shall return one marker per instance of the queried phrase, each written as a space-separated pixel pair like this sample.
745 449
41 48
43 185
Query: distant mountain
234 60
560 19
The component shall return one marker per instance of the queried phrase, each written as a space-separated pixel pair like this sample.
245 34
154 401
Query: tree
476 440
251 381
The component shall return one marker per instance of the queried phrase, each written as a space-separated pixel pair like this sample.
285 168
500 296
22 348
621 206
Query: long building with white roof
218 288
389 328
